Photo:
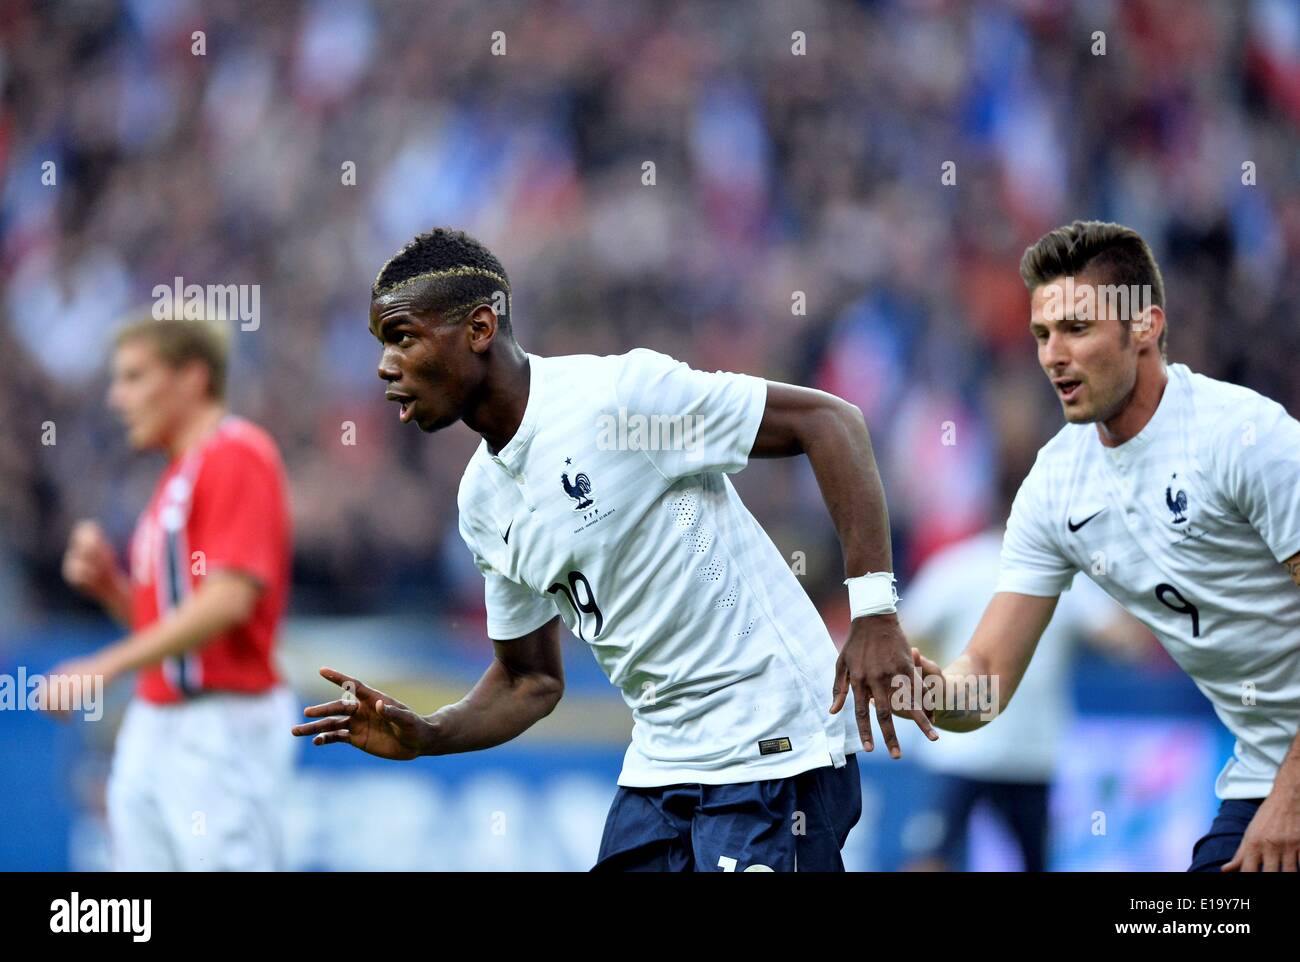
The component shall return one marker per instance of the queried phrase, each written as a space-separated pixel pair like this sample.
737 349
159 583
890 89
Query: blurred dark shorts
751 826
1022 807
1220 843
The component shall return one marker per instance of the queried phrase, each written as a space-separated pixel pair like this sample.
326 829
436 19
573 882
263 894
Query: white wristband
872 594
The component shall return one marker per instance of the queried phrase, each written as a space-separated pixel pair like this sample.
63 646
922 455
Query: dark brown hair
1112 253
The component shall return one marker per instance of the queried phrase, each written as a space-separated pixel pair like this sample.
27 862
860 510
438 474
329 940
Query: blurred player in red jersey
201 758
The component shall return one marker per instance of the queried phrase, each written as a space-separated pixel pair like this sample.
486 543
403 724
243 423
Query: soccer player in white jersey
1008 767
1178 495
599 497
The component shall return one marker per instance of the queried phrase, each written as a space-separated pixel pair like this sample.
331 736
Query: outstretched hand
366 719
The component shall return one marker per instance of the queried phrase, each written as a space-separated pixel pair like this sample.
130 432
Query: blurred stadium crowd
775 173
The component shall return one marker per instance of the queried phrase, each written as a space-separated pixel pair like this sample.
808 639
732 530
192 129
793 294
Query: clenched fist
90 564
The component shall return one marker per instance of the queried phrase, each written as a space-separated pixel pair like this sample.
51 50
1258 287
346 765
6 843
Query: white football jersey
611 506
1186 526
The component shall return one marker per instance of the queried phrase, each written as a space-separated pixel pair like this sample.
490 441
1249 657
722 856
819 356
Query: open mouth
1068 389
406 405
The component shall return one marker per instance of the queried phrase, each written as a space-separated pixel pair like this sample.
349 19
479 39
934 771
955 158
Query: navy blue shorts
1220 843
778 825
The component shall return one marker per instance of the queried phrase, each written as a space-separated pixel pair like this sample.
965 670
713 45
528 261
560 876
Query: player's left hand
872 661
1272 840
367 719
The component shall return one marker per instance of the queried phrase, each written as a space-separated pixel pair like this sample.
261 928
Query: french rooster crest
578 489
1177 503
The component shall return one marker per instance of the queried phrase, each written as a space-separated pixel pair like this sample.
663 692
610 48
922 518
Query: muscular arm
833 434
522 686
1003 643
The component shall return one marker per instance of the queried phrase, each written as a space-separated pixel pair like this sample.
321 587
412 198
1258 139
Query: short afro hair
458 273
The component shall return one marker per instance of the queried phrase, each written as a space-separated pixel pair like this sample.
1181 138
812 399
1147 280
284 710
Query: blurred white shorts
198 786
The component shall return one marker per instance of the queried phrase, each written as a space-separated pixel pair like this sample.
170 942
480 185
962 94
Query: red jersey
222 505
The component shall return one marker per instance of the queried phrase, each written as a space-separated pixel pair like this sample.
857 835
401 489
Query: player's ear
1147 325
481 328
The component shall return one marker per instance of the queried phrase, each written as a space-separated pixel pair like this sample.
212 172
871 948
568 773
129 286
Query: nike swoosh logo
506 537
1075 527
